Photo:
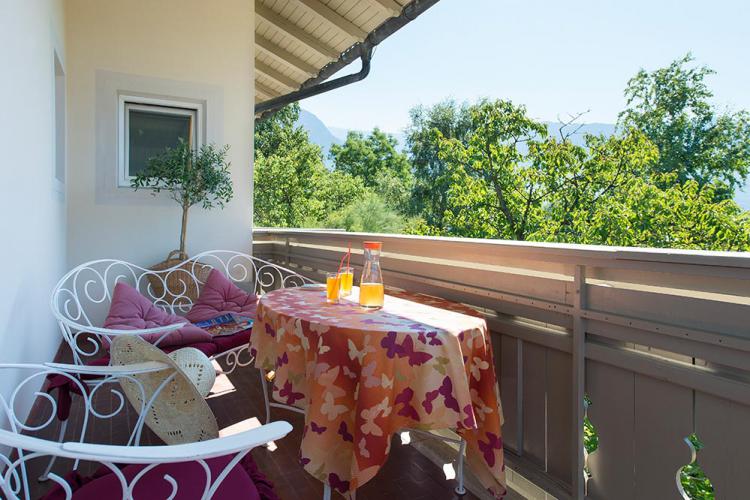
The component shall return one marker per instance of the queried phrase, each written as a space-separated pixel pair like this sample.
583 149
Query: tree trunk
183 230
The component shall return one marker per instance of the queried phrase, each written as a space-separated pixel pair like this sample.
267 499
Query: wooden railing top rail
561 250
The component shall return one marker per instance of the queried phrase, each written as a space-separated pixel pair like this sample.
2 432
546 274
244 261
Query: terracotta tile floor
406 475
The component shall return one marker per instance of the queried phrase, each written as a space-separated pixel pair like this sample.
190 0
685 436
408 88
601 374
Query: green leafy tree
511 180
339 189
191 177
292 186
286 190
696 141
365 156
288 172
679 216
395 191
368 214
279 133
445 120
493 183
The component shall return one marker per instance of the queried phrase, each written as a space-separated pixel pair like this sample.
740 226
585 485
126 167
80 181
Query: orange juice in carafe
371 295
371 285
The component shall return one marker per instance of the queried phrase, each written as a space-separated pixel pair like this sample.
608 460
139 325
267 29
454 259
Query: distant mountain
318 132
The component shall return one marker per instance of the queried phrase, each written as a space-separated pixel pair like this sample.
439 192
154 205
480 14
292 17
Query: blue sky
555 57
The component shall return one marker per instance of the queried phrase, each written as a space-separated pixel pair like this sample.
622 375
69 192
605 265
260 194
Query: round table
362 375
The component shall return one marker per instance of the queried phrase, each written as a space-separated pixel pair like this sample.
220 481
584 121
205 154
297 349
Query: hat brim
178 414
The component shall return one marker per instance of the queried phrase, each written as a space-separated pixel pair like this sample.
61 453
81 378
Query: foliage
428 125
286 188
368 214
190 177
508 178
288 174
590 436
339 189
695 140
278 134
294 189
692 478
365 157
393 190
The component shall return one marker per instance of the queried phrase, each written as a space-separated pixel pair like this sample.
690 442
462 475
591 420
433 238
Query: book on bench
226 324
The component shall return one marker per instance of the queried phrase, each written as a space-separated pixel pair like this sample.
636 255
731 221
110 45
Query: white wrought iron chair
81 299
19 448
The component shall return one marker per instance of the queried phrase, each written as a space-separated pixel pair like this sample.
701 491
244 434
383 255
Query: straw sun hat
179 414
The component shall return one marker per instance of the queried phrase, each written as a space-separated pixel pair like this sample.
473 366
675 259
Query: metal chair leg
61 435
326 491
460 490
264 384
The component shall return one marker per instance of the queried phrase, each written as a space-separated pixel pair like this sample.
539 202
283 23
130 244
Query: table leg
326 491
263 384
460 490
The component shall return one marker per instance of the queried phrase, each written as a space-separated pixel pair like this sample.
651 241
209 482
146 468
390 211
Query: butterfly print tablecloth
419 362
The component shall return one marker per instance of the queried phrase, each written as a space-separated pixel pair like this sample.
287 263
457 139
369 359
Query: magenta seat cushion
220 296
244 481
132 311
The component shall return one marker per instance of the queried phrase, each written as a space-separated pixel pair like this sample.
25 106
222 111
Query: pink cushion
220 296
132 311
244 481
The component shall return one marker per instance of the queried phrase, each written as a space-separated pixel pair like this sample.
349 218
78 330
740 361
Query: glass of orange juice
333 287
347 280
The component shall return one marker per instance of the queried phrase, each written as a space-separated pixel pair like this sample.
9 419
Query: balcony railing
658 340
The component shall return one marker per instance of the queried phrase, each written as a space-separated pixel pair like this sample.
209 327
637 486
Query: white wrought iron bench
81 299
20 448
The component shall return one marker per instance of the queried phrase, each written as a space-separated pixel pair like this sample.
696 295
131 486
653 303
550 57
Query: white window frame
154 105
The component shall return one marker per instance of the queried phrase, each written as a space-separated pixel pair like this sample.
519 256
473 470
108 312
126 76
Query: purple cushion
132 311
220 296
244 481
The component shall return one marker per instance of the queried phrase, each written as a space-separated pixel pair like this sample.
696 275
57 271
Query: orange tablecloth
364 375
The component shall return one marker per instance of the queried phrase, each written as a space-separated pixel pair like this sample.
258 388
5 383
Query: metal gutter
360 50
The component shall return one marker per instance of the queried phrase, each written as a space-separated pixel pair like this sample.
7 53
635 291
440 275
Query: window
59 107
149 126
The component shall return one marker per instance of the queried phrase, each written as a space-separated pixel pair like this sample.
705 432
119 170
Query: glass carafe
371 284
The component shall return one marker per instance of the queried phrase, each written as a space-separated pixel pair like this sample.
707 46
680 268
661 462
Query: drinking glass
333 287
347 280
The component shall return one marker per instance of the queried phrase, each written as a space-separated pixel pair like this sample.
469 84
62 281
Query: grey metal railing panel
726 461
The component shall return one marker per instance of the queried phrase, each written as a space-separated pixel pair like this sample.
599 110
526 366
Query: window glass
151 132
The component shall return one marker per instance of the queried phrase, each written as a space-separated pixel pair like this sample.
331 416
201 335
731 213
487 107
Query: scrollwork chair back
20 445
81 299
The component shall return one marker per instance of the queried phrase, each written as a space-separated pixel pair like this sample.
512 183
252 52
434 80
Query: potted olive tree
190 177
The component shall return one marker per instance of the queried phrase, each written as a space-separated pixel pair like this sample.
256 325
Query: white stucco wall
32 205
175 47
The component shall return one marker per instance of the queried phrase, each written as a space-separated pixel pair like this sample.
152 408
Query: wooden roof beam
336 20
294 31
389 6
264 91
277 76
284 57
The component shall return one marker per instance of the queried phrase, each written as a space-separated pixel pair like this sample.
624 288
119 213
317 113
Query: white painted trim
109 87
127 102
